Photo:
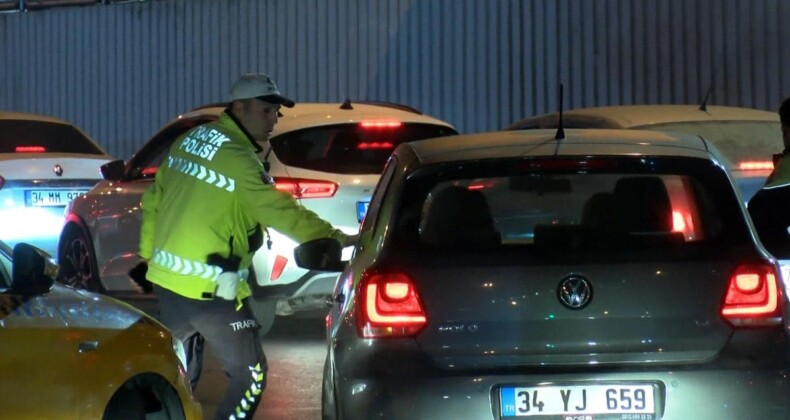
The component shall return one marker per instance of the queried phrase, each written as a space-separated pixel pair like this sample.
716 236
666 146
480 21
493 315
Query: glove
137 274
227 285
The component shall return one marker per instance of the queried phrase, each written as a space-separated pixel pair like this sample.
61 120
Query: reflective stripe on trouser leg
251 396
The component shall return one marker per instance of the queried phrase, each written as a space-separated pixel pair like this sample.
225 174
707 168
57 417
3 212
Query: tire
125 404
264 312
150 399
77 260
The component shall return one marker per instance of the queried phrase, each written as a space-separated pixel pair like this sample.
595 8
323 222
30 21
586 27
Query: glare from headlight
178 349
26 223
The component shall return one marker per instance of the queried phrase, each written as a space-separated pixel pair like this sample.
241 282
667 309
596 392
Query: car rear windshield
357 148
27 136
743 143
586 208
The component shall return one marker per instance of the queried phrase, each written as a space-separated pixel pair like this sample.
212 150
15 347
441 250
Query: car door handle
87 346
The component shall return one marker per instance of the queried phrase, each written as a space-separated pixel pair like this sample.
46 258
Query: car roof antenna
704 105
560 131
346 104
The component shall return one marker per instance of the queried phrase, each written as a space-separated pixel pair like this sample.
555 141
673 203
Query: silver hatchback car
607 274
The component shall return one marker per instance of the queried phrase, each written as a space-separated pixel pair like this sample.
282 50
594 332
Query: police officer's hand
137 273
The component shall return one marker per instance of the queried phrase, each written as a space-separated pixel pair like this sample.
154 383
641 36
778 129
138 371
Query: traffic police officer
202 222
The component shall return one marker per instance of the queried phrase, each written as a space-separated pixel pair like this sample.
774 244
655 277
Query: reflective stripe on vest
184 266
187 267
202 173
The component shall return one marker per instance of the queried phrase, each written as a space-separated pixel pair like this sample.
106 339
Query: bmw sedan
327 155
71 354
45 163
578 274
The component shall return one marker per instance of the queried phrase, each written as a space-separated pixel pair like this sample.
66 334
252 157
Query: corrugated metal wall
122 70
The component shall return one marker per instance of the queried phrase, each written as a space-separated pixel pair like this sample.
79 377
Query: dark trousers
232 336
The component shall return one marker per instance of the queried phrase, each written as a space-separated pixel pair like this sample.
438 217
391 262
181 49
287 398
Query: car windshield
743 143
350 148
29 136
656 208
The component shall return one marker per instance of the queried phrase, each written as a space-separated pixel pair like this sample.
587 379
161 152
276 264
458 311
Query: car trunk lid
508 313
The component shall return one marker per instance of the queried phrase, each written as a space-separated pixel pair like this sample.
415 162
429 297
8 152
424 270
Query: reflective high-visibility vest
211 195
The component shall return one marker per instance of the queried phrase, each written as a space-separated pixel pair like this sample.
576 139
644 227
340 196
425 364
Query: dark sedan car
600 274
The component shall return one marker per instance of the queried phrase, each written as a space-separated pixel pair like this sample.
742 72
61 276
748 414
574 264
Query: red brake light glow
678 224
375 145
756 165
380 124
753 296
30 149
390 306
306 188
481 184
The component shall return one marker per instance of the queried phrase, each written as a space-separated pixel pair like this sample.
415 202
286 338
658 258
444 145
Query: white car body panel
110 212
55 175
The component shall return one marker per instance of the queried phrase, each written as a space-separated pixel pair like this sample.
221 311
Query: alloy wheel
76 268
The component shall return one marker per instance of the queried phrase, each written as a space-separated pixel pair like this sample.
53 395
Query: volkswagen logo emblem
575 291
58 170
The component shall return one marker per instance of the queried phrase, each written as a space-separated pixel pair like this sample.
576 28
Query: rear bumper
682 395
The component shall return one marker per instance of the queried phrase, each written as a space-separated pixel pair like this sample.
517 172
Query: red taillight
753 296
150 171
306 188
278 267
30 149
756 165
389 306
380 124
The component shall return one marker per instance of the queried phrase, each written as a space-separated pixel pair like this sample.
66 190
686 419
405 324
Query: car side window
146 162
371 216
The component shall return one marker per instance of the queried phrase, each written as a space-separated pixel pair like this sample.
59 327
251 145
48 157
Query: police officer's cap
259 86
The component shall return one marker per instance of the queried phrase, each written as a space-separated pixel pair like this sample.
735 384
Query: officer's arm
278 209
149 205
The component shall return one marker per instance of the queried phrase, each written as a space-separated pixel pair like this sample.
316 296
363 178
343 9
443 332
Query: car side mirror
113 170
33 271
320 254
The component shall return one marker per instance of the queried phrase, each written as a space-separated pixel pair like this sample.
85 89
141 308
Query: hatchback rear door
622 261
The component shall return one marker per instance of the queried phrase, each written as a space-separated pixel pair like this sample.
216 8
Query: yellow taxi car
71 354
